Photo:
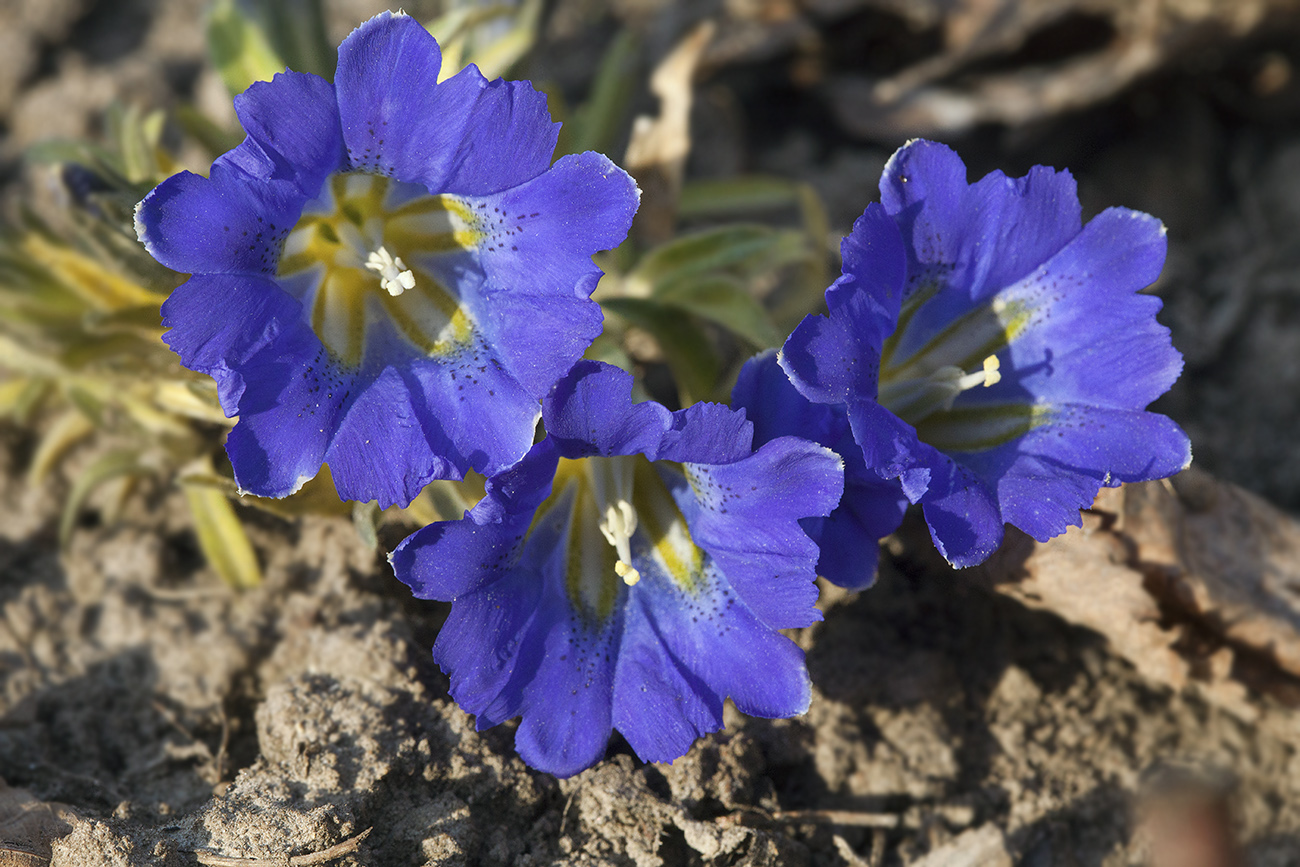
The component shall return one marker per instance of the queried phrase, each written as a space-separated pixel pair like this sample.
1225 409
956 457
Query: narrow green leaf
607 348
136 153
221 536
496 57
17 358
687 349
240 48
317 497
215 139
296 30
742 196
19 396
597 124
364 518
700 252
727 302
114 465
68 429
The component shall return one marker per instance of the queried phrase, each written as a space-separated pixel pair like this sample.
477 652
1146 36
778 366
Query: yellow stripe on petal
368 245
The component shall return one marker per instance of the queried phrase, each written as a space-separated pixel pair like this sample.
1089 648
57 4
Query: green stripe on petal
979 428
357 238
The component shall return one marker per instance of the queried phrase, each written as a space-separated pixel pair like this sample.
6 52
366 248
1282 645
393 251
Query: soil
157 716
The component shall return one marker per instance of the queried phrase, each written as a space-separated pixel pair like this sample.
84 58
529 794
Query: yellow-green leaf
221 536
240 47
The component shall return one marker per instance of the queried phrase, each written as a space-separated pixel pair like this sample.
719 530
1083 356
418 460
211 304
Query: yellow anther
627 572
991 375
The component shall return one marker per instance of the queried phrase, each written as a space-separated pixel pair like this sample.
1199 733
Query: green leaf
296 30
364 519
221 536
317 497
97 350
136 147
215 139
17 358
495 57
739 246
20 396
727 302
737 196
70 428
808 292
597 124
114 465
687 349
607 348
240 47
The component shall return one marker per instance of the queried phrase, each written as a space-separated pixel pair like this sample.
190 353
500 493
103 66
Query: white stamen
617 528
393 273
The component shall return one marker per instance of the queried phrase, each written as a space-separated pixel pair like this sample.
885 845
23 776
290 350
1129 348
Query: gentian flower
630 572
991 352
388 273
872 507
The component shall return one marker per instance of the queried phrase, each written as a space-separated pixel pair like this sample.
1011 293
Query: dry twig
212 859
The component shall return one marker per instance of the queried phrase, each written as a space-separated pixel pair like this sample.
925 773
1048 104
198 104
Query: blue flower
871 507
388 273
630 572
992 353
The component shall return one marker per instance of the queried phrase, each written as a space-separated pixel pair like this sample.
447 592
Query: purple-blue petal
660 704
776 408
507 139
288 411
465 135
219 322
382 450
568 703
874 272
746 516
294 121
962 511
836 358
713 632
890 447
590 412
538 270
230 222
849 538
1091 337
977 238
1046 476
960 507
450 558
487 646
871 507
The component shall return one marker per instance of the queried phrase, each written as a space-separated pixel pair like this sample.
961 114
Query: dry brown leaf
1223 556
1193 580
934 97
657 150
28 826
1085 577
